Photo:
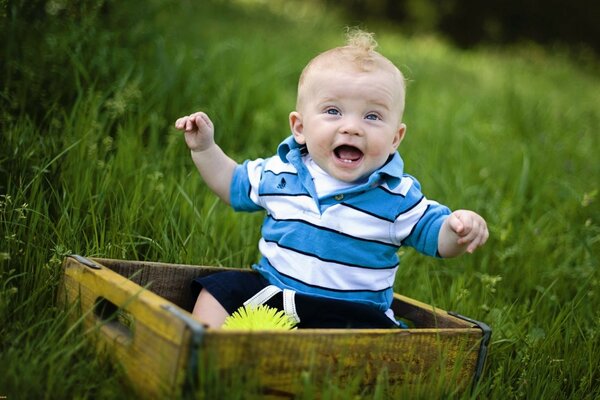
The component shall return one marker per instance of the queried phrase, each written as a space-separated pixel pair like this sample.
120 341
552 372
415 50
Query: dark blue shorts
233 288
230 288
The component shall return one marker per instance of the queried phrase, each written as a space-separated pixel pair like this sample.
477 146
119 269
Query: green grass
90 163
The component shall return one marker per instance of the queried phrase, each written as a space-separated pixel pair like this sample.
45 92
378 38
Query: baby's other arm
213 164
462 231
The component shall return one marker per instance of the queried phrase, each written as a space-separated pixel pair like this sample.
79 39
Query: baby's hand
199 131
470 228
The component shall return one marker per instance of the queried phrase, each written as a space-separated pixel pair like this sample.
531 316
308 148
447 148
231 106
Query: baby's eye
372 117
332 111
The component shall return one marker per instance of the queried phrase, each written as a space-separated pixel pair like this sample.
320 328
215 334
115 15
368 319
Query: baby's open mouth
348 154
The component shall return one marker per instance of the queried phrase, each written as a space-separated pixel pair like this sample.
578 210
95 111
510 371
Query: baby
338 203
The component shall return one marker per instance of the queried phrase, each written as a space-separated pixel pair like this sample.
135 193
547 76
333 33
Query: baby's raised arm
213 164
462 231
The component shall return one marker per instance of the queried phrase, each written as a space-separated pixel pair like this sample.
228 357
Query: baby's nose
351 127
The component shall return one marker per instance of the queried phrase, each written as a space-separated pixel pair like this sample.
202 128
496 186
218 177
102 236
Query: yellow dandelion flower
257 318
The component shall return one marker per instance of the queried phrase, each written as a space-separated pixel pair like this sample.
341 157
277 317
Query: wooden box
140 313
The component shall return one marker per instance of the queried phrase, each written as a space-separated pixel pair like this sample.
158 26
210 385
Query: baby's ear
398 137
297 127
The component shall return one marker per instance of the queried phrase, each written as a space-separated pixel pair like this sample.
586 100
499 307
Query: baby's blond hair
359 39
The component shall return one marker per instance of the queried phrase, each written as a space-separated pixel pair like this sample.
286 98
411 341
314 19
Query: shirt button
339 197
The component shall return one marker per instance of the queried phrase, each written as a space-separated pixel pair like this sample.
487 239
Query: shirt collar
390 173
287 146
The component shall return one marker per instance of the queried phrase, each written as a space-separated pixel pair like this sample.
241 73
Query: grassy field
90 163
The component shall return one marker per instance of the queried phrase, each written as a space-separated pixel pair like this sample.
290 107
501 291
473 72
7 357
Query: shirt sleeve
419 226
244 190
424 236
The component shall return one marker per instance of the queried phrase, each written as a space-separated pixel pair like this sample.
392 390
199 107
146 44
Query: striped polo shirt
343 245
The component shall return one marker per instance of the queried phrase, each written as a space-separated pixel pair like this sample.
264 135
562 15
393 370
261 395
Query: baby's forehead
347 59
323 75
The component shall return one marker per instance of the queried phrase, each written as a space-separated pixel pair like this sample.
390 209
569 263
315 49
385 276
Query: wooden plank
170 281
279 360
424 315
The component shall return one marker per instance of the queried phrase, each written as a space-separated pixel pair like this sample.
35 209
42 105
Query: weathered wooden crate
139 312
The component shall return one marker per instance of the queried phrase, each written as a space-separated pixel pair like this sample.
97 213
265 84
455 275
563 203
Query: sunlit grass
90 163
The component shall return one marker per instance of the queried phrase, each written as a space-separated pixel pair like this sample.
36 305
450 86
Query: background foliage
472 22
90 163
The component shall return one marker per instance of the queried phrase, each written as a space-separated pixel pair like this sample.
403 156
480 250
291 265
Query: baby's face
349 120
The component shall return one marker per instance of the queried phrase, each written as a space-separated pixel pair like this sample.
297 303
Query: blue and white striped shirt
343 245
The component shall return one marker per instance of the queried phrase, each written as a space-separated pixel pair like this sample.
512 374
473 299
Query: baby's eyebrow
383 104
326 100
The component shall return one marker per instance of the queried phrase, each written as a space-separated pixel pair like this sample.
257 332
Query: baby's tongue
348 153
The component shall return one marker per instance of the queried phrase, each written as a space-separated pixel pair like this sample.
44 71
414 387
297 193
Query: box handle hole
118 322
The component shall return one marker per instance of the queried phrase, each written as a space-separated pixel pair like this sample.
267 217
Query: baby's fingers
180 123
190 125
202 121
185 123
476 238
455 224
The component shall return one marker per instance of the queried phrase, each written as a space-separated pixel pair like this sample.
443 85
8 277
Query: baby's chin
356 176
